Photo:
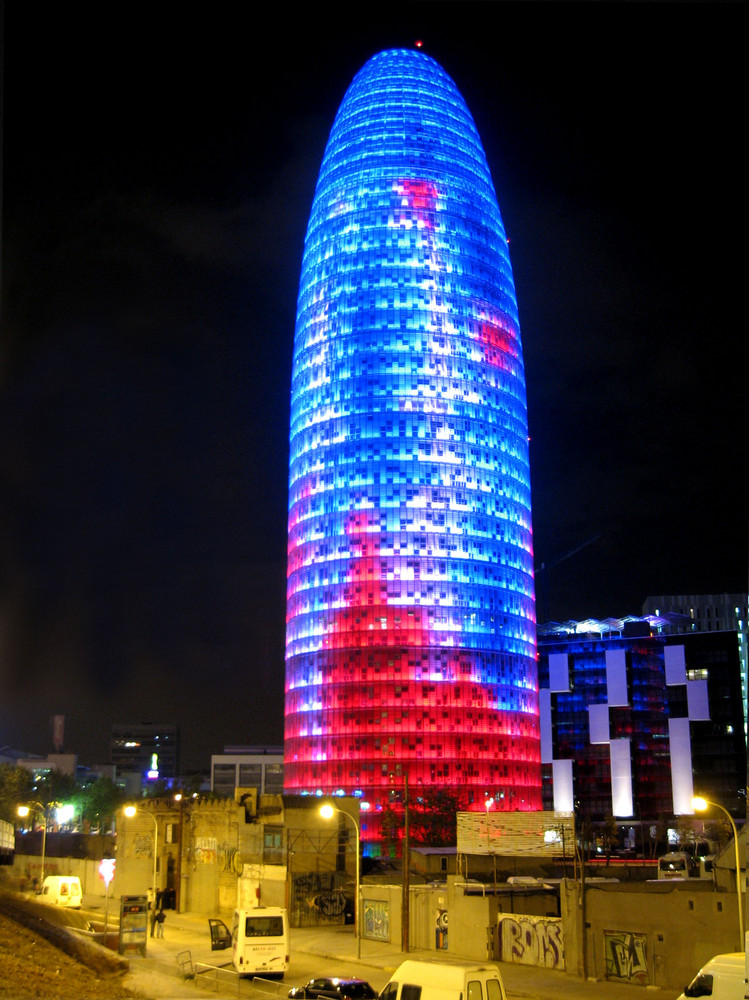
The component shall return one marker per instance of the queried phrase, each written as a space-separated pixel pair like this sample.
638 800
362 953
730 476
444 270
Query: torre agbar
410 650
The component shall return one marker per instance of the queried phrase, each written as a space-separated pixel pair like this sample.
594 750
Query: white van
414 980
723 978
62 890
260 941
677 864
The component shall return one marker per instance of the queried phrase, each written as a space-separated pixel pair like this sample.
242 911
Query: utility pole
405 916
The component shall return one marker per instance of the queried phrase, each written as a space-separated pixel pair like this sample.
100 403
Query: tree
391 827
433 818
16 787
609 836
99 800
55 787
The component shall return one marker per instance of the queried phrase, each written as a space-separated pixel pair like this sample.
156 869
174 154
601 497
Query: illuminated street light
130 811
488 803
24 811
327 811
700 804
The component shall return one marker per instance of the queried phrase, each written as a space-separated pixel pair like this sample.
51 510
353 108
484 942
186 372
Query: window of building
273 779
224 779
273 845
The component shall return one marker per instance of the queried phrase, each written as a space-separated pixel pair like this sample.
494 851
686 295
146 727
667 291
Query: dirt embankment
41 960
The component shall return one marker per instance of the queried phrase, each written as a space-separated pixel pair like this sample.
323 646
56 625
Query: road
312 952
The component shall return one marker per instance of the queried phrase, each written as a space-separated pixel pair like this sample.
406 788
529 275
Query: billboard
512 834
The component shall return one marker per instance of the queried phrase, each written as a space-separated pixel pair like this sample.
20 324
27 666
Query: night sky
159 168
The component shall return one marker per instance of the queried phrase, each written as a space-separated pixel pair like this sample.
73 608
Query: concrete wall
525 939
210 863
652 934
656 934
26 867
216 854
382 908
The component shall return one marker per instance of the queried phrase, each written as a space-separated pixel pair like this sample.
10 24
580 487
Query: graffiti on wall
376 920
330 902
441 931
206 850
230 860
315 889
318 897
143 845
626 957
531 941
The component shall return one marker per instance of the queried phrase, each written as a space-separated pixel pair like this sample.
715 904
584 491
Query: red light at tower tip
418 43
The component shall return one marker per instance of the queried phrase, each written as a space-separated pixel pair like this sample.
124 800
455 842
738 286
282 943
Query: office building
636 718
258 767
144 753
708 613
411 610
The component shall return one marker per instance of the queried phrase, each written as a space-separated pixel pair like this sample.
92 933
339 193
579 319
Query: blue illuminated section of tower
410 615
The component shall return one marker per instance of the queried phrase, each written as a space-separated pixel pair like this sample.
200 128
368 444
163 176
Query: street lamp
24 811
130 811
327 811
700 804
489 802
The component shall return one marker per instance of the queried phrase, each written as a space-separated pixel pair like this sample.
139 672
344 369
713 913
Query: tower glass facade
410 617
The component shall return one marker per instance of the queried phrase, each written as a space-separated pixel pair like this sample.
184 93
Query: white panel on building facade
680 748
559 672
544 709
621 778
564 797
698 706
675 664
616 677
598 722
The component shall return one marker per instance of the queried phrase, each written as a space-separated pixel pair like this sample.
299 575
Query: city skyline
156 188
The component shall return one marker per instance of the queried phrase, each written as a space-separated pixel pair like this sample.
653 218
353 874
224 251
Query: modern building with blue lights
410 651
637 717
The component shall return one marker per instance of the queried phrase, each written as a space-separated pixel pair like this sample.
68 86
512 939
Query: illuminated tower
410 644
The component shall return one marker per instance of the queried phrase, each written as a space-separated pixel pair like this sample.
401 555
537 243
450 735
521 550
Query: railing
211 976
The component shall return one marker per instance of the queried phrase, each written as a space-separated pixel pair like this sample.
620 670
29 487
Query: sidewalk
157 975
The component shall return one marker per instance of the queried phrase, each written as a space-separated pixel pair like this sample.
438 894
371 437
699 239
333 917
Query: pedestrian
153 920
160 918
150 897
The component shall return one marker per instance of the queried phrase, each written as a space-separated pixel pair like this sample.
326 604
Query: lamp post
24 811
489 802
130 811
700 804
327 811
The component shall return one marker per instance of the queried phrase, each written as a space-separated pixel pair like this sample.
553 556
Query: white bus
260 941
677 864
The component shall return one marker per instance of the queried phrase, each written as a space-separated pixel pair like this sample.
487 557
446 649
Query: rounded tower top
403 108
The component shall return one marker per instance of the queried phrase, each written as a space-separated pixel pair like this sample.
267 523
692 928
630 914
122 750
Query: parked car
335 988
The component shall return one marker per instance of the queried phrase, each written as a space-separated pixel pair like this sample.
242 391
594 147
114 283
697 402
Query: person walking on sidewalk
153 916
160 918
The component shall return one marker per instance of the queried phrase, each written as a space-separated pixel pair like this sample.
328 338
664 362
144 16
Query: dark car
336 989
